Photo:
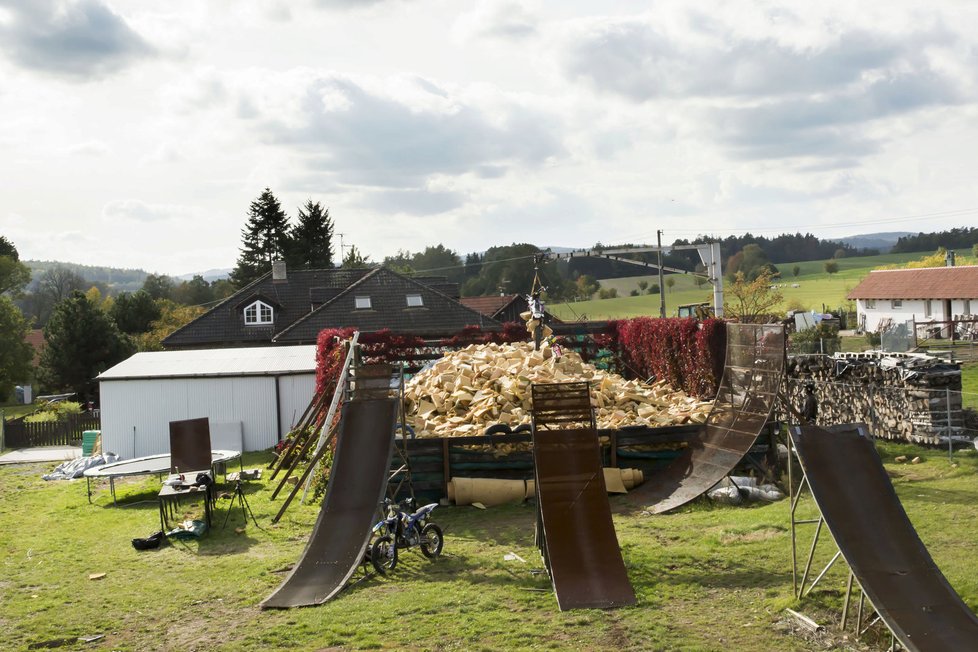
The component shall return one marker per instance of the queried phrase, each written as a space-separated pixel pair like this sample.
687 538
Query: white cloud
78 39
496 19
134 210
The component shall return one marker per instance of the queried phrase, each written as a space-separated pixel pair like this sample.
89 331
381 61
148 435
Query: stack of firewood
481 385
900 397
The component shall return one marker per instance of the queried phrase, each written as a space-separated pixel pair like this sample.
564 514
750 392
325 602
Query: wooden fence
19 434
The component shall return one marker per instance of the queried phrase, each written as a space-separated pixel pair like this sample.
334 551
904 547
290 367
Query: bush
44 416
52 412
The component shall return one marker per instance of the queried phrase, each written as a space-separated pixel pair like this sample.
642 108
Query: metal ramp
748 390
893 568
575 531
359 479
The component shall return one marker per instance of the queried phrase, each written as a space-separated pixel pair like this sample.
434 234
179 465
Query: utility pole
662 286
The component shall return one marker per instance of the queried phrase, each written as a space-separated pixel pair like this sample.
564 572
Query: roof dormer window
361 303
258 313
415 301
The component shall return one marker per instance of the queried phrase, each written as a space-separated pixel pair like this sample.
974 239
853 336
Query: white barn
929 294
260 392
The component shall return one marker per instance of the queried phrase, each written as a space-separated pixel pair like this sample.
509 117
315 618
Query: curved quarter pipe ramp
751 375
880 544
357 483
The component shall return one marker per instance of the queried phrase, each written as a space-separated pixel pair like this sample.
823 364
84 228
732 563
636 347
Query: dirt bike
400 529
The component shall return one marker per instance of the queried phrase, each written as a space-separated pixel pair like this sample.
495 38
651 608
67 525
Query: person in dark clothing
809 409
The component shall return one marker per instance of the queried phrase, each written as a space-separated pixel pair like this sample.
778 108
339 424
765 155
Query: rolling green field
816 288
707 577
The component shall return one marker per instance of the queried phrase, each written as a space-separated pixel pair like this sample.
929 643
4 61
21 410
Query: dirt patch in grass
756 535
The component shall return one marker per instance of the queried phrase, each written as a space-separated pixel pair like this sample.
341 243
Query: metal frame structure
894 572
798 586
709 254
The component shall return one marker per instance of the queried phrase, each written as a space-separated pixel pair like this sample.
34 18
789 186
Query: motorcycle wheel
431 541
383 555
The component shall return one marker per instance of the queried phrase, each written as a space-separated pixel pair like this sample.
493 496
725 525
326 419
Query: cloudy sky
136 133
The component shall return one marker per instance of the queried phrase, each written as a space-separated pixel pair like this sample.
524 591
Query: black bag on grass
151 542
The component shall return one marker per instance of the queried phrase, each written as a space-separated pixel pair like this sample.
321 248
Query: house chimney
279 273
949 258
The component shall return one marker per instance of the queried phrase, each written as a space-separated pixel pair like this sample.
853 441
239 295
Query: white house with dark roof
929 294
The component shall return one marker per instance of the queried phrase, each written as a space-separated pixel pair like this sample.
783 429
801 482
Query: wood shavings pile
480 385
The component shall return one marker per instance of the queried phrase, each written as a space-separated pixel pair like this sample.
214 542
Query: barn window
414 301
361 303
967 306
927 308
896 303
258 314
870 303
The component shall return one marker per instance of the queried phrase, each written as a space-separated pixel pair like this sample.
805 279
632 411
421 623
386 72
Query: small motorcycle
401 528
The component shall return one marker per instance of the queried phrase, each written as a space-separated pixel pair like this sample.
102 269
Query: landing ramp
752 372
576 533
357 483
877 539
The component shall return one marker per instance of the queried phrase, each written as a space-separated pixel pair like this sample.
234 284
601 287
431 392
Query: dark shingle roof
922 283
439 316
293 298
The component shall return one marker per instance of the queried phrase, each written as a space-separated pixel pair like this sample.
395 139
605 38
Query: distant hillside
210 275
882 241
114 278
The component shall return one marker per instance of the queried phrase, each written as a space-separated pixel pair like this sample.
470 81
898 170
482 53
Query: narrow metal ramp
896 572
748 389
357 483
575 530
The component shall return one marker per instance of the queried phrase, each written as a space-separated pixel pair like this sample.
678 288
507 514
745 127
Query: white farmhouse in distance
928 294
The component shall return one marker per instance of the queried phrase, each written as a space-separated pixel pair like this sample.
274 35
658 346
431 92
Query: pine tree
81 342
265 238
312 238
354 259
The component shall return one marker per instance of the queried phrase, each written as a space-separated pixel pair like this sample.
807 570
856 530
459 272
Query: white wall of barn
136 413
294 392
879 309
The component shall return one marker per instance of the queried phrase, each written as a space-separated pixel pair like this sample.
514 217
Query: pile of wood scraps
481 385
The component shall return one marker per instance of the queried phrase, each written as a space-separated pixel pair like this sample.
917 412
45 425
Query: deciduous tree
751 301
134 313
158 286
14 275
172 316
15 353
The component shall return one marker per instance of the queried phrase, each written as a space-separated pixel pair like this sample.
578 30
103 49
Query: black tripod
243 503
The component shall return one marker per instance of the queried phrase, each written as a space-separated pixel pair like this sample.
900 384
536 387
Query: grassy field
707 577
816 289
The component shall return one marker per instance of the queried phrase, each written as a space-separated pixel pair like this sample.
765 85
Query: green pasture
707 577
816 288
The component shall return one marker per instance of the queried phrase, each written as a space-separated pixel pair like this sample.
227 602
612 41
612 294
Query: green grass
16 410
707 578
816 288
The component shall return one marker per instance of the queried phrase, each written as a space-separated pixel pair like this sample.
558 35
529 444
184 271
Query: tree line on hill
958 238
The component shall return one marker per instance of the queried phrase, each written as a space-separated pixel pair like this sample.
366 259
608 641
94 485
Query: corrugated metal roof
248 361
921 283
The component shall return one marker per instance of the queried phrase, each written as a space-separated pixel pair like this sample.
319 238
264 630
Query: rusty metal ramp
862 511
357 482
748 389
575 530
